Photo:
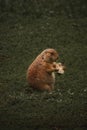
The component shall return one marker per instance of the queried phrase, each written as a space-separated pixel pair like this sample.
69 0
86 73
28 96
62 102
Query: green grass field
21 40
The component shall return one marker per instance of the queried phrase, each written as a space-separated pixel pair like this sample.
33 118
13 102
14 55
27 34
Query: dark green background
27 28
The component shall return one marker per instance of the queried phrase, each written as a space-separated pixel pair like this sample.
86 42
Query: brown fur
40 73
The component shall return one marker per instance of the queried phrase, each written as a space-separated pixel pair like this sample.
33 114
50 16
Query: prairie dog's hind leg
46 87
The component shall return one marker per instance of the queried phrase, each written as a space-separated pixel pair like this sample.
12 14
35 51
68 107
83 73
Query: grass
21 40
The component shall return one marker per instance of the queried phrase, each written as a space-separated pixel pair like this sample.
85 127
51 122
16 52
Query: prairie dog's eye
52 53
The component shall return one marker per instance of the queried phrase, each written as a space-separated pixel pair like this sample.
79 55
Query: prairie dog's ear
43 57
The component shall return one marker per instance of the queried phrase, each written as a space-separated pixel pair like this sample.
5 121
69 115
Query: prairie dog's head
50 55
60 68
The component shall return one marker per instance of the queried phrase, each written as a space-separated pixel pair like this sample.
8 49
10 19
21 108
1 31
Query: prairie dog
41 73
